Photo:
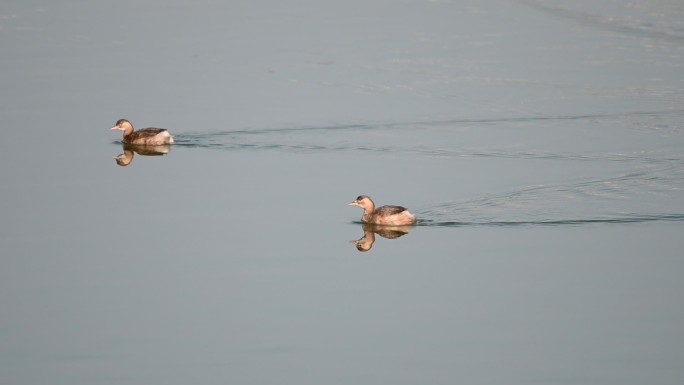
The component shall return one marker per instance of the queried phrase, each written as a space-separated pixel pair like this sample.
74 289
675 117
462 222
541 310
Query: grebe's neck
128 129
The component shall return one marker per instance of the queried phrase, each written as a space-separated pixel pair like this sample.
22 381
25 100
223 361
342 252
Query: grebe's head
363 201
123 125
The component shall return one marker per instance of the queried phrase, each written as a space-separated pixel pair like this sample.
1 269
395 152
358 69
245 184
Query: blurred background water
538 142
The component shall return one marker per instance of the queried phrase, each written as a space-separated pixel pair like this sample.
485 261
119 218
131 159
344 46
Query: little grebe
146 136
385 215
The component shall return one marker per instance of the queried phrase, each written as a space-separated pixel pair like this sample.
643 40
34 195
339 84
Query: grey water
540 144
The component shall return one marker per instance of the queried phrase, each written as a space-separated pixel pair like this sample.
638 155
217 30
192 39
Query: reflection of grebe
385 215
369 231
130 149
148 136
124 159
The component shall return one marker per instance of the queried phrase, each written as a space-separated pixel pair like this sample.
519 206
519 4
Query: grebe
385 215
146 136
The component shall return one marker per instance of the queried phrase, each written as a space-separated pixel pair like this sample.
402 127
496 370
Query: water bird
146 136
384 215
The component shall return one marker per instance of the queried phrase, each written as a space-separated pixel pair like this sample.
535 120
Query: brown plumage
146 136
384 215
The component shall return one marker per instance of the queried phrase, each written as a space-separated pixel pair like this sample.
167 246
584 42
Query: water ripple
647 189
622 219
633 25
204 139
310 139
645 195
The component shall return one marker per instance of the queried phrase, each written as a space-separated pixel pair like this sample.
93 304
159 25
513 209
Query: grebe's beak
355 203
114 128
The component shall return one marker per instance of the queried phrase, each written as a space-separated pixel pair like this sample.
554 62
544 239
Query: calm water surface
539 143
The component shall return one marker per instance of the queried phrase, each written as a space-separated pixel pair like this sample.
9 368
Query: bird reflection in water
129 151
366 242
